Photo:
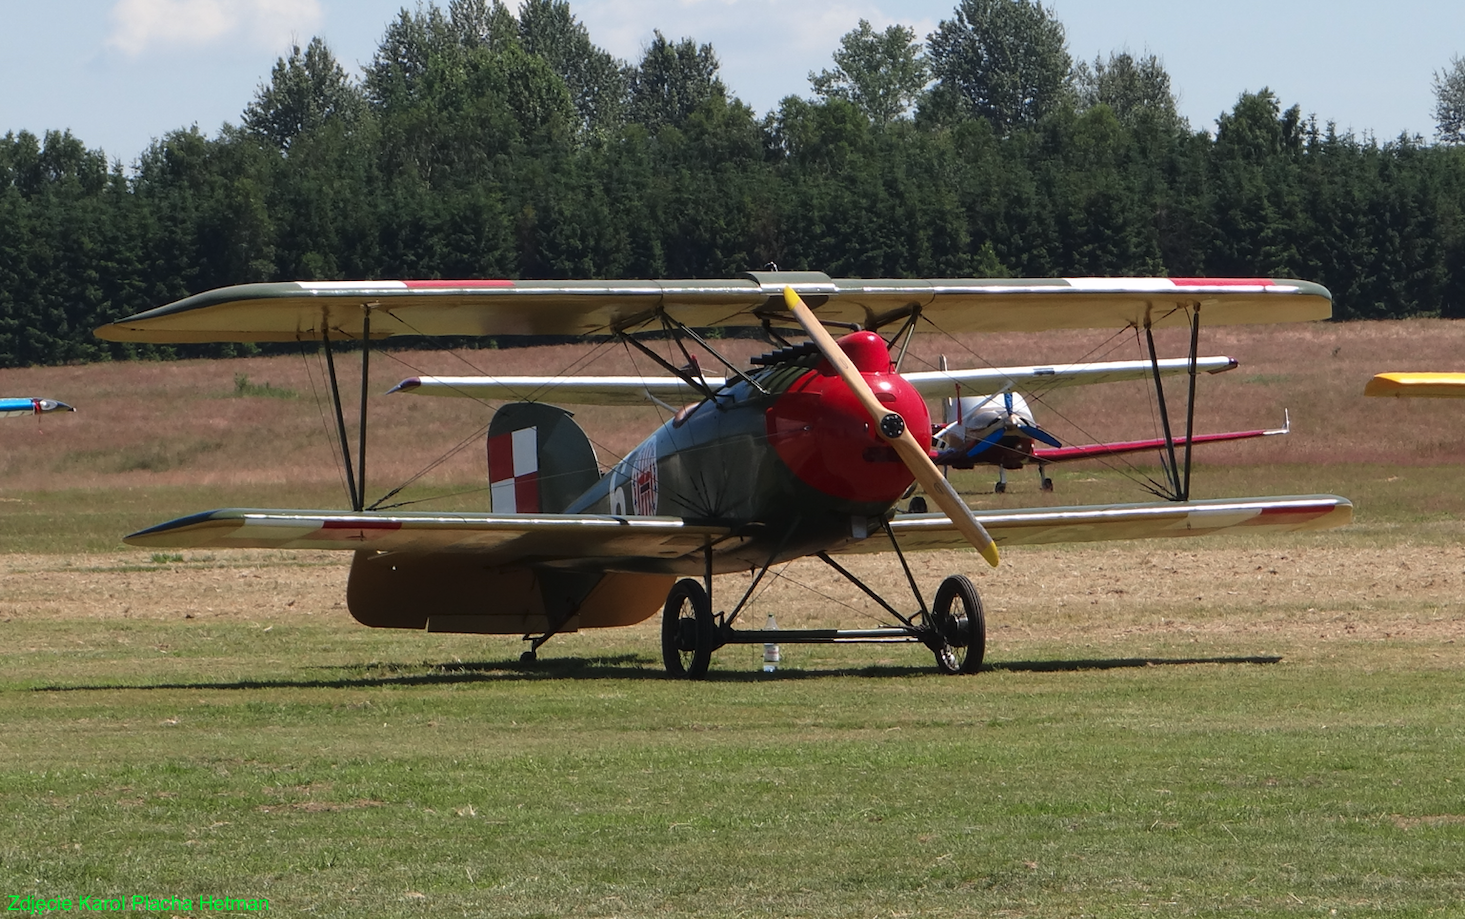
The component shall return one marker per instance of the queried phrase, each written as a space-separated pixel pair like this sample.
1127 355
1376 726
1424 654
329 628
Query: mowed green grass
343 771
361 774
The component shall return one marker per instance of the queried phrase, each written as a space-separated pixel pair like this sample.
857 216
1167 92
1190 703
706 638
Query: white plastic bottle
770 649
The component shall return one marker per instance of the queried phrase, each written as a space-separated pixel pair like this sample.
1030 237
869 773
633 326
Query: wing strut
1179 486
361 425
1190 405
355 480
325 337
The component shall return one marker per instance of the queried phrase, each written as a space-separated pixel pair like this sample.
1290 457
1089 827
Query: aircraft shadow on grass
635 667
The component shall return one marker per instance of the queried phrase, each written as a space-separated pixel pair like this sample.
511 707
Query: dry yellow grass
1220 596
147 423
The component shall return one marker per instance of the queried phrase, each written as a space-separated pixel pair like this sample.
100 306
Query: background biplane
14 408
803 454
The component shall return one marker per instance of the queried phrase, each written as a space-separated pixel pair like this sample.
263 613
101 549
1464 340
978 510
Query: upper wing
620 390
1092 451
1419 385
10 408
1042 526
311 310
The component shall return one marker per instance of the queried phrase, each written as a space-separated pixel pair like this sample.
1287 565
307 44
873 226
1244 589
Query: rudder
539 460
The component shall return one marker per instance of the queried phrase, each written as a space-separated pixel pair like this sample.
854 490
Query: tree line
480 142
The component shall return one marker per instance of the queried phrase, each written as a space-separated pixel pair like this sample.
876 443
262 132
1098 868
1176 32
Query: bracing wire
336 460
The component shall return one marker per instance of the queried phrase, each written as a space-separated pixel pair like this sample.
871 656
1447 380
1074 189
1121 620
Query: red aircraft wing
1092 451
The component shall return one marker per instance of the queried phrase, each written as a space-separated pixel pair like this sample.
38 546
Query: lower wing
1104 523
504 539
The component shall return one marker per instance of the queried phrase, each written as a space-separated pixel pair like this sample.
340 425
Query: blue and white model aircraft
14 408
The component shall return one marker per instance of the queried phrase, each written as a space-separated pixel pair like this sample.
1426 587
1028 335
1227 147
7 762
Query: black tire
961 625
687 631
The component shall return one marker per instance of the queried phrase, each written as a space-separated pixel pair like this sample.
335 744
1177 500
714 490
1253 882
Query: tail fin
538 459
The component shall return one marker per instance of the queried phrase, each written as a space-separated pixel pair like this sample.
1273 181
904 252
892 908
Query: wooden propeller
893 430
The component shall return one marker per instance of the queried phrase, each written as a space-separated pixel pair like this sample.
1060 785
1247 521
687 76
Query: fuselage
792 464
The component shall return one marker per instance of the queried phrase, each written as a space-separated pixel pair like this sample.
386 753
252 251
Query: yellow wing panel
1417 385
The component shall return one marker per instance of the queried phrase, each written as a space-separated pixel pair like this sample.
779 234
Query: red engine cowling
824 435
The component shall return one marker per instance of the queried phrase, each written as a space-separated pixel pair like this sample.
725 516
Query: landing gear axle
955 630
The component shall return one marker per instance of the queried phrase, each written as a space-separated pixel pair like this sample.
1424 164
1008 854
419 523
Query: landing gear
1044 483
688 632
953 627
960 626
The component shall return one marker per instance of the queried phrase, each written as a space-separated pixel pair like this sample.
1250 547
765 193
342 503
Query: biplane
996 427
15 408
804 453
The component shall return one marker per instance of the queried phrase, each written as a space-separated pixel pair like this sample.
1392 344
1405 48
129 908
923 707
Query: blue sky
121 72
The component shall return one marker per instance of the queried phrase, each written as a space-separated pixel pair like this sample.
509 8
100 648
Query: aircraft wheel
1000 488
1046 484
687 630
958 618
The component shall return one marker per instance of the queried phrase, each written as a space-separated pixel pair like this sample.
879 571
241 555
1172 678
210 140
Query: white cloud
767 47
139 26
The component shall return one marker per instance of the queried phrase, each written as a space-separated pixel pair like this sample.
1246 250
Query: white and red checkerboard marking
513 472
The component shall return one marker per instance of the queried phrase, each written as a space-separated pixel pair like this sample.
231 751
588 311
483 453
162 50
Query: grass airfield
1235 726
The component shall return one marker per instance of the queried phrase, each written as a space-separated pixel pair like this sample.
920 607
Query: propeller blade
1037 433
894 431
985 442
